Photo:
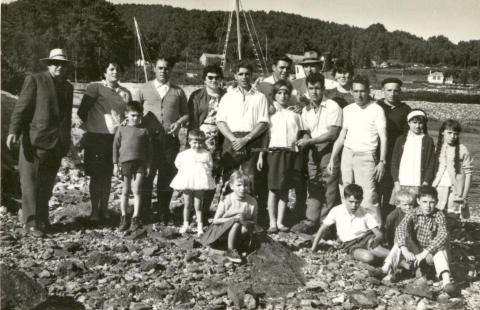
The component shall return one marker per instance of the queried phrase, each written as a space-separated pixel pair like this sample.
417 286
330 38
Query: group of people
351 160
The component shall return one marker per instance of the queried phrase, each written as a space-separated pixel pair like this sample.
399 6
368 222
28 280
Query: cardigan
396 120
198 105
427 173
172 108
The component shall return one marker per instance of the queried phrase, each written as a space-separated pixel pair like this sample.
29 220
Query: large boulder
275 269
20 291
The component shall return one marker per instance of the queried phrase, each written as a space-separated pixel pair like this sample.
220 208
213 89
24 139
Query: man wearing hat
42 118
396 114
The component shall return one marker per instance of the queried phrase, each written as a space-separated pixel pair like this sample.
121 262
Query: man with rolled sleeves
168 103
396 114
42 118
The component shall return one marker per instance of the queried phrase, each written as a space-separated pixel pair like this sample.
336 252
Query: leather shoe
35 232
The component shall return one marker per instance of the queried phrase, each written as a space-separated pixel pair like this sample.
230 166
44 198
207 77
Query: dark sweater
393 220
396 120
427 159
131 143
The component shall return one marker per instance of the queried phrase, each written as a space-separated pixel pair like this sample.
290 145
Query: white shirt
411 163
328 114
350 226
243 113
162 89
284 128
363 126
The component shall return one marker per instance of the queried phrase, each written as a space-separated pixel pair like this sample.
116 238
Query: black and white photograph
240 154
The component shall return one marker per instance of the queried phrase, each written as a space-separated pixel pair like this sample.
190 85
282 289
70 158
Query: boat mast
237 8
141 49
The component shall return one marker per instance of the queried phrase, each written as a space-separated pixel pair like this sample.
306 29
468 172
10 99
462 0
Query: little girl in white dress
194 177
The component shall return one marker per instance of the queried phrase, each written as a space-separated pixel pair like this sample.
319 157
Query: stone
117 304
148 265
420 288
236 293
20 291
182 295
191 255
97 259
149 251
275 270
361 299
250 301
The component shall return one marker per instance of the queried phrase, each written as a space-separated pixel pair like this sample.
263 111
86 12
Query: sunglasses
57 63
211 78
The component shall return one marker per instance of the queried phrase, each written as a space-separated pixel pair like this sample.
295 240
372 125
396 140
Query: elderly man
43 117
363 125
242 118
322 118
168 103
396 114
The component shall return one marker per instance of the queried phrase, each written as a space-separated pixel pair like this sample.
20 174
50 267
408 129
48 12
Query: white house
210 59
436 78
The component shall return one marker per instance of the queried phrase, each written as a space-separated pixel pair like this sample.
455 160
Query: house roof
436 74
212 55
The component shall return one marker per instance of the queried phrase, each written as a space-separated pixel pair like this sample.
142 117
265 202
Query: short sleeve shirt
109 108
350 226
328 114
363 126
242 113
284 128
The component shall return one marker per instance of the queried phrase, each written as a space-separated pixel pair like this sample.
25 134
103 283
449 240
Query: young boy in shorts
131 158
356 228
426 226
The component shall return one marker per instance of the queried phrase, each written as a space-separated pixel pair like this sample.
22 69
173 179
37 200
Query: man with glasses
168 103
42 117
242 118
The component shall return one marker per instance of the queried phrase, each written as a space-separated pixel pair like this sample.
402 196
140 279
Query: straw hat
310 57
57 54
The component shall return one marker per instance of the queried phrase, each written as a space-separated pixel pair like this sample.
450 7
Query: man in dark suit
42 118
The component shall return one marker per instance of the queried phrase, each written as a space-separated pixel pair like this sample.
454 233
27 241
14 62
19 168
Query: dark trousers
163 162
384 189
323 191
38 170
301 189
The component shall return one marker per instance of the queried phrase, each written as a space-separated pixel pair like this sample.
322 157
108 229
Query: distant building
299 73
449 80
436 78
191 75
211 59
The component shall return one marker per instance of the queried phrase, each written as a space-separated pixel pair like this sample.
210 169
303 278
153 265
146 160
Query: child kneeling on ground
404 201
356 228
236 214
426 226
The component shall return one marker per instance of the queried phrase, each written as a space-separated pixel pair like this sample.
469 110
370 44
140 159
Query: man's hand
239 143
174 129
379 171
258 81
409 257
117 171
147 169
420 257
330 167
304 142
297 109
260 162
12 138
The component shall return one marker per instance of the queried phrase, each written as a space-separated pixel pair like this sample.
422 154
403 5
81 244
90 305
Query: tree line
94 29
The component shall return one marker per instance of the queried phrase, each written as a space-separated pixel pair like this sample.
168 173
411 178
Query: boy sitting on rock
356 228
426 226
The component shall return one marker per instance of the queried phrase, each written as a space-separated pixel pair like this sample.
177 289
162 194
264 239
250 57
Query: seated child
356 228
404 201
236 214
426 226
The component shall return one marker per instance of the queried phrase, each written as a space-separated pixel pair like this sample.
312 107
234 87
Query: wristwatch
383 161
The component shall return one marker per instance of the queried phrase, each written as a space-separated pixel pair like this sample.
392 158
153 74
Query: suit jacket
37 115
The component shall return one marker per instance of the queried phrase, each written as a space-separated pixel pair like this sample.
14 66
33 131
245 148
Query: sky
458 20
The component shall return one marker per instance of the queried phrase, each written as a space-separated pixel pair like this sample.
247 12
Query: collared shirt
284 128
363 126
410 172
242 113
328 114
350 226
162 89
430 231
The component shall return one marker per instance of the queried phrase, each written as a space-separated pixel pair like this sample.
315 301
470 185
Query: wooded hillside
92 29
